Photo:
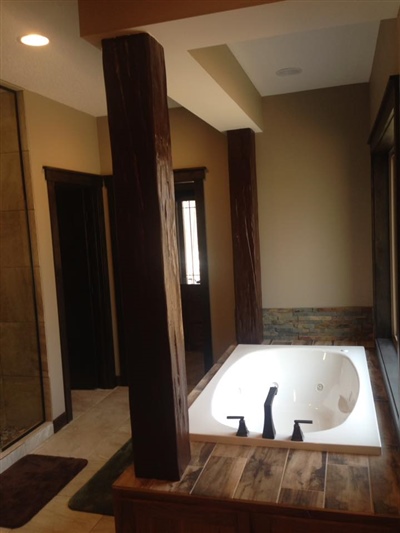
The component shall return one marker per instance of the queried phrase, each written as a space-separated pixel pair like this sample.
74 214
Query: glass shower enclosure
21 387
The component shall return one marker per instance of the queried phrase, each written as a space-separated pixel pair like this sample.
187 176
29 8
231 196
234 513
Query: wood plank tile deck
304 479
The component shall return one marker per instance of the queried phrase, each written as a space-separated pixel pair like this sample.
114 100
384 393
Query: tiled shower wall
311 323
21 405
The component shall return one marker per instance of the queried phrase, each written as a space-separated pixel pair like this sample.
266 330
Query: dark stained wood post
135 80
246 246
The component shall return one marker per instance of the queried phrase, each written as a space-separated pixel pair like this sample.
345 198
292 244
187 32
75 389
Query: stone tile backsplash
308 323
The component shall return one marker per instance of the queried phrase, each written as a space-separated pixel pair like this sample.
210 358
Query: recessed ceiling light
288 71
34 39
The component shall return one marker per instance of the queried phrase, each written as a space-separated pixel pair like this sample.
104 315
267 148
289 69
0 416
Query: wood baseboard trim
60 422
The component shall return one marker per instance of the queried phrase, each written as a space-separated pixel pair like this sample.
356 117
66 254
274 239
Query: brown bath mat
30 483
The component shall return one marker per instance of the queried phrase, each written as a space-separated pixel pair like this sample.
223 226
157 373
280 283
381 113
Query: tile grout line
326 479
371 499
283 475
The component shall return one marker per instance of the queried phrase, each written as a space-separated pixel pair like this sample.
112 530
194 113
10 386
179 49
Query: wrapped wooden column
138 117
246 246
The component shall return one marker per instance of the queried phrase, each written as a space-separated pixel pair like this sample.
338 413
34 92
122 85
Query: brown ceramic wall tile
19 349
14 239
23 401
12 191
8 123
16 297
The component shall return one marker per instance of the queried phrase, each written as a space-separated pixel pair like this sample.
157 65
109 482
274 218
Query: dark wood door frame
123 372
196 176
57 178
385 140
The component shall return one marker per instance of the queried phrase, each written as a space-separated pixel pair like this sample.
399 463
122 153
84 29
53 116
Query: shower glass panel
21 388
393 251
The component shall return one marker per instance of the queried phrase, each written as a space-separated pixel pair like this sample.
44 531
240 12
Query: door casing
196 312
71 186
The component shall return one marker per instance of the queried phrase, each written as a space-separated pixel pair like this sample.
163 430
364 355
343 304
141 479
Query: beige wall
386 62
314 199
195 144
61 137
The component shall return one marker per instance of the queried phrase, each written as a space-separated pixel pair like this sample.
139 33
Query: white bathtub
329 385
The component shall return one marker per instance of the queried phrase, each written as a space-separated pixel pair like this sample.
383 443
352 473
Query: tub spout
269 428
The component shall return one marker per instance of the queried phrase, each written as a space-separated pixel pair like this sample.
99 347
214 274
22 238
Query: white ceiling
332 41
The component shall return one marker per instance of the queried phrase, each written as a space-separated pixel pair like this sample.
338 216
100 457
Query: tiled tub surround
281 488
311 323
328 385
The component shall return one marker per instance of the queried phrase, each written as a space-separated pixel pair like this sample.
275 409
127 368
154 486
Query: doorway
83 298
193 262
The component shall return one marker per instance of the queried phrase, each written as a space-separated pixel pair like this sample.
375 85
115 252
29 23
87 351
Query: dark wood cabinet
148 511
157 517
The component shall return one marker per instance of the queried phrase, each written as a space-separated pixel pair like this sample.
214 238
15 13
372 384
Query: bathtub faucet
269 428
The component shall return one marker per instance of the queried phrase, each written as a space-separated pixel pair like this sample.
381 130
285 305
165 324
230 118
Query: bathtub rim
362 438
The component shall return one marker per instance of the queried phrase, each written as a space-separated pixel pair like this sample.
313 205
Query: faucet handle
297 432
242 429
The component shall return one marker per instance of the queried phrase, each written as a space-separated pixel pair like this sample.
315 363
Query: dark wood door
83 298
195 294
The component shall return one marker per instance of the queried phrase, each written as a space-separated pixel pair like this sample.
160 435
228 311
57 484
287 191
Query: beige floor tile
83 400
105 525
92 429
96 434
